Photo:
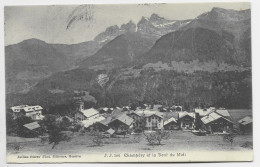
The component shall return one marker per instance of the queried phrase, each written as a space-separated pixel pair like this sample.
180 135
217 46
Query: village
112 122
140 127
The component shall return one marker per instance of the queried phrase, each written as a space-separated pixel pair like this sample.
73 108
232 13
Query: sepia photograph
154 82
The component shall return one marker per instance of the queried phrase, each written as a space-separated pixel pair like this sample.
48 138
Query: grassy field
179 140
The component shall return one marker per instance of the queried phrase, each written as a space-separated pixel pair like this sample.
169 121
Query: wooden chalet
171 124
186 120
215 122
139 120
121 123
102 126
170 121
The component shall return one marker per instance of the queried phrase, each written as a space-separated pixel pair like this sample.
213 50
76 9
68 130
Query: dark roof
168 115
183 114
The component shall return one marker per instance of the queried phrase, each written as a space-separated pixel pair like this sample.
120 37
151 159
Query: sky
49 23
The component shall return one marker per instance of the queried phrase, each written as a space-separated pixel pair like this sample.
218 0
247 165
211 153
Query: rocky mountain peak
128 27
143 20
219 14
155 17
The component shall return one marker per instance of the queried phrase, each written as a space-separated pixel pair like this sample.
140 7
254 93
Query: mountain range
32 60
222 36
206 59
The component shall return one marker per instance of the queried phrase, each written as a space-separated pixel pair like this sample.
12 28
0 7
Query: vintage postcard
128 83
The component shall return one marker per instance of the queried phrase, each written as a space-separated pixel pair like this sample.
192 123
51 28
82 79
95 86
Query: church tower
80 105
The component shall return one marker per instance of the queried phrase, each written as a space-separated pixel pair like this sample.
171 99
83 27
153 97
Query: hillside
221 36
135 86
77 52
29 61
119 52
129 41
32 60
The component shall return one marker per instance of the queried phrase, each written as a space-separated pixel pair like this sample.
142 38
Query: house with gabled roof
102 126
121 123
154 121
139 120
217 123
89 122
35 112
186 120
170 121
147 119
171 124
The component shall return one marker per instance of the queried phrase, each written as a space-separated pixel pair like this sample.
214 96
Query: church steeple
80 105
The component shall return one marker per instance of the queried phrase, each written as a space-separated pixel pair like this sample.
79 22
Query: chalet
89 122
186 120
246 125
217 123
16 111
139 120
171 124
102 126
35 112
121 123
154 120
170 121
147 119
